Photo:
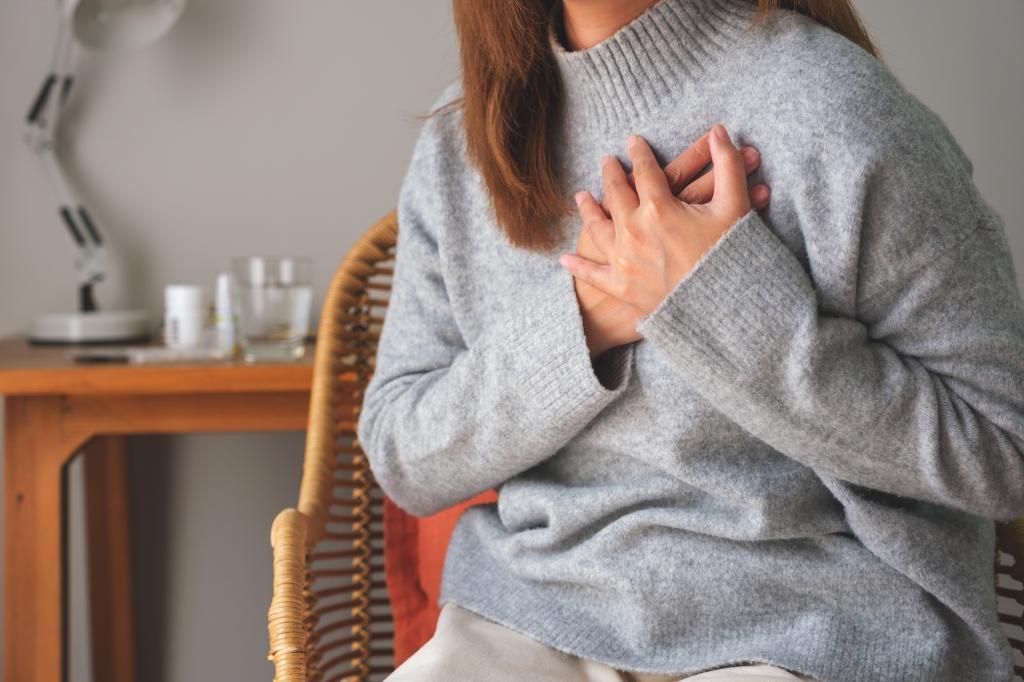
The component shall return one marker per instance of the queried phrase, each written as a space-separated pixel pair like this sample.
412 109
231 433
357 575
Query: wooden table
55 408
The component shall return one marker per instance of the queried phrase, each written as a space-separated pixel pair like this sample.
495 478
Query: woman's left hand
654 239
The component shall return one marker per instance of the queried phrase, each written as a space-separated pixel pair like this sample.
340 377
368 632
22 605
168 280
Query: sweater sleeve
922 393
442 420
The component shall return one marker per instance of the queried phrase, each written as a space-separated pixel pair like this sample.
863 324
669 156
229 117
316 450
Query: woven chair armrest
286 619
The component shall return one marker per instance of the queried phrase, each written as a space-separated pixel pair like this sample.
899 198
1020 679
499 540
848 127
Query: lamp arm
89 261
42 124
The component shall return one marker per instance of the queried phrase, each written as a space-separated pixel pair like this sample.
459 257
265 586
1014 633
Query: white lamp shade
112 25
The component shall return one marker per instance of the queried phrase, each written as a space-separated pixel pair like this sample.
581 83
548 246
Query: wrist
596 351
596 343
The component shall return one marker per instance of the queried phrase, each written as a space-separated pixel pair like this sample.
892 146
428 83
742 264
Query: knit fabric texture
802 460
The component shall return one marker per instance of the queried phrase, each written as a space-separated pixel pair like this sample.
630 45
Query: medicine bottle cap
183 296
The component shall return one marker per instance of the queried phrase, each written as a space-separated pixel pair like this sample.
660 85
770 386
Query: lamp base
102 326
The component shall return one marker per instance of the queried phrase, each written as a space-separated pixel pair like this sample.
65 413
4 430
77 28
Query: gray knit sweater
801 461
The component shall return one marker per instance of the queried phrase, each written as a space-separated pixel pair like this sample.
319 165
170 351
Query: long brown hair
511 97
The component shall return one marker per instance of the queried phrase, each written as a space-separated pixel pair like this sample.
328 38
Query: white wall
262 127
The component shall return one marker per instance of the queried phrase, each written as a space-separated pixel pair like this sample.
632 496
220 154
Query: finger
760 195
596 275
619 197
631 180
700 190
751 158
651 184
697 156
730 174
681 169
602 230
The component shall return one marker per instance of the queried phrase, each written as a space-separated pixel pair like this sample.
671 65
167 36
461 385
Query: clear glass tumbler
275 299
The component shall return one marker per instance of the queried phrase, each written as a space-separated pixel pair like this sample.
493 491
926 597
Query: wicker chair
330 619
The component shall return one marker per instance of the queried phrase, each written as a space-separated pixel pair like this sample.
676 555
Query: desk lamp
107 26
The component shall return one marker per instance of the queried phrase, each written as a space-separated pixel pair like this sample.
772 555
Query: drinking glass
275 298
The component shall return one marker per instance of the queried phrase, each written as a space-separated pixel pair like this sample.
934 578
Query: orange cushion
414 551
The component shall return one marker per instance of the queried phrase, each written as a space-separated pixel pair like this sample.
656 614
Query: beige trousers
469 648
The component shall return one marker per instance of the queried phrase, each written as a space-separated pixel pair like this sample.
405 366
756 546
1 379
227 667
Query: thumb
730 191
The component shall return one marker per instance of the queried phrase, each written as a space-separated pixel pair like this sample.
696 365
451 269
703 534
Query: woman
731 441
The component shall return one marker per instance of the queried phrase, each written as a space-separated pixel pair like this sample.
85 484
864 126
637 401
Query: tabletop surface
51 370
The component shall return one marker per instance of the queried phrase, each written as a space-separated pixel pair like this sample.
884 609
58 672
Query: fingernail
578 197
632 141
750 154
720 132
606 159
563 260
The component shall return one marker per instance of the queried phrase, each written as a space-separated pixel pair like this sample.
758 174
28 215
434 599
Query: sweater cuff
550 350
738 305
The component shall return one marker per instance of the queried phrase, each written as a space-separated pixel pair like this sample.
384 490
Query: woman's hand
608 321
653 239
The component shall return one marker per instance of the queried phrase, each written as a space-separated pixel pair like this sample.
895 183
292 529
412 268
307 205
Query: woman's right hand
609 322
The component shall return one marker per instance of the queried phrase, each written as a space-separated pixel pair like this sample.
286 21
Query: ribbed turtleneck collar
673 42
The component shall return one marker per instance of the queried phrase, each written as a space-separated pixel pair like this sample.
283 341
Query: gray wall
254 127
261 127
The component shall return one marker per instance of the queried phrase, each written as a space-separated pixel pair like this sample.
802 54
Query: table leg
109 558
36 449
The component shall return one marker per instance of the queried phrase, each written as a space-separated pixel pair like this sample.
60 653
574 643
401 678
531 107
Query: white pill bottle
184 315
